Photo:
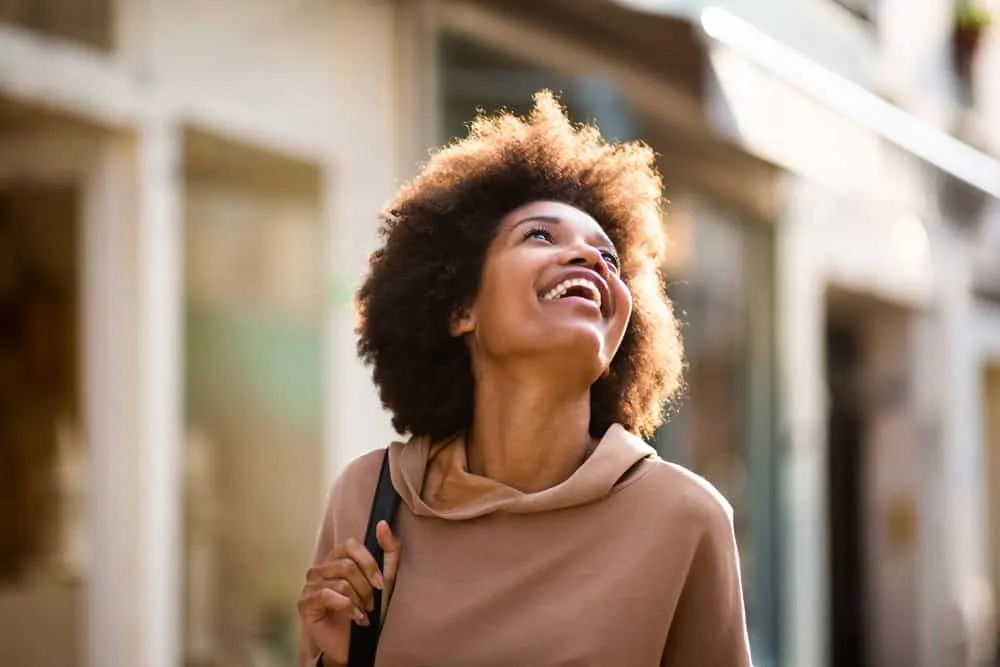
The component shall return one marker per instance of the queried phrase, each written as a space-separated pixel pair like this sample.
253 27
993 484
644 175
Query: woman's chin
578 345
577 332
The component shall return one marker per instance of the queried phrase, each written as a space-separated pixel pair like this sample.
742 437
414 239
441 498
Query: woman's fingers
360 555
347 570
344 583
318 602
343 587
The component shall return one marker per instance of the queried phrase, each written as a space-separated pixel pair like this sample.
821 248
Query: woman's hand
341 589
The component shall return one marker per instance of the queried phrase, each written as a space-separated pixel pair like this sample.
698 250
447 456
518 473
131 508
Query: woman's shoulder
672 490
359 476
362 466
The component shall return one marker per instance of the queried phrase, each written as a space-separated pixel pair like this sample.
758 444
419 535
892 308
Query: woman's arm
709 626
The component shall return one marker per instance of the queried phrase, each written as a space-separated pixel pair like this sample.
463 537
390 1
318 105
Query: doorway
846 429
873 478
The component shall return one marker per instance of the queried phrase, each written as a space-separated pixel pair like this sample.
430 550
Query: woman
517 329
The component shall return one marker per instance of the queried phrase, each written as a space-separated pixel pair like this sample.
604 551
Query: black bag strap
364 639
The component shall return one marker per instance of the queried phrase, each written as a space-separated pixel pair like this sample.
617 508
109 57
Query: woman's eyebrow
553 220
538 218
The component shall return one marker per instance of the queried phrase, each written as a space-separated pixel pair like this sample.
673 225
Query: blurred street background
188 194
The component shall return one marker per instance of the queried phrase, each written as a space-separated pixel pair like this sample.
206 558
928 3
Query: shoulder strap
364 640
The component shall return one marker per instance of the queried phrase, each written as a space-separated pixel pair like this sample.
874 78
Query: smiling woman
448 218
518 332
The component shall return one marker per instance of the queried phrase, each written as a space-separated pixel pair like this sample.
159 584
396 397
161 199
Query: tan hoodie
631 562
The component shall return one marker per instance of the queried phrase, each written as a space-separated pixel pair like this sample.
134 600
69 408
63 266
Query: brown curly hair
435 235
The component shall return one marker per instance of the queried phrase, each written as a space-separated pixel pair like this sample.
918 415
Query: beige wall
272 56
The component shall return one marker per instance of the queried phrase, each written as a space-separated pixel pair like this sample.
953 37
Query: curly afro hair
435 235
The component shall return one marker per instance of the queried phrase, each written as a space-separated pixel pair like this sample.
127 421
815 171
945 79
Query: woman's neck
527 436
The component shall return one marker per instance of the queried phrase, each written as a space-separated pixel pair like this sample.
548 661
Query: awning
835 93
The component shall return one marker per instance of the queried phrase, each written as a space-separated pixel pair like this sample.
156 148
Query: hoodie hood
434 479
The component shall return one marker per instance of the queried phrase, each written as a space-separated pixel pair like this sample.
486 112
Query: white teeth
560 290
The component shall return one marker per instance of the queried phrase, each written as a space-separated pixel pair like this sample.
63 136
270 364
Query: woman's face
550 285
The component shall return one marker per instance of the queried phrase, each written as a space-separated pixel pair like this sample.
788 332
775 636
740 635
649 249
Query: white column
418 92
109 408
160 430
158 386
132 399
802 382
359 179
962 440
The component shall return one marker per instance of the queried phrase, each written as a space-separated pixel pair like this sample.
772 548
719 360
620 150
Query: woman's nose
584 254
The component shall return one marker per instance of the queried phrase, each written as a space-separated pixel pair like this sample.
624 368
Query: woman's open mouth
576 289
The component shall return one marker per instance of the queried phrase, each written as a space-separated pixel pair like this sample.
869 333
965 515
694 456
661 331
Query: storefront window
720 276
253 394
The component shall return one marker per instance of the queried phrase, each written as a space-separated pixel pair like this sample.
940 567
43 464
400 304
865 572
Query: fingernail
360 617
377 580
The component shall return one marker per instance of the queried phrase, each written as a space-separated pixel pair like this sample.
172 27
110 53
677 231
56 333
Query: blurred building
188 194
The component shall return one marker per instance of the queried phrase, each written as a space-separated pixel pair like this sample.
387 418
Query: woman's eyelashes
610 257
538 233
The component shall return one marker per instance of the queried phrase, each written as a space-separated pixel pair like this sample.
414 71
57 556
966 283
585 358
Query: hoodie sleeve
709 626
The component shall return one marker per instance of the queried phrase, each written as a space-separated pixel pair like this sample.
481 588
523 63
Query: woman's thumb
390 545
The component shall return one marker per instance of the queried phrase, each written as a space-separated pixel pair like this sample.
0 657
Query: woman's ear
462 322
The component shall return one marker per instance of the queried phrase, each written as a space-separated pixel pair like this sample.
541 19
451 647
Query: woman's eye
538 233
611 258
